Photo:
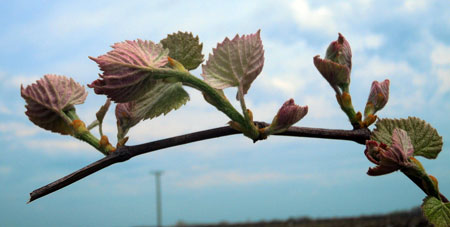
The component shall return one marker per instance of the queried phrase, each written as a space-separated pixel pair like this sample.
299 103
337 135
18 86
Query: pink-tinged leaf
372 151
379 95
339 51
48 98
381 170
127 69
402 143
287 115
102 111
390 159
125 118
336 74
235 62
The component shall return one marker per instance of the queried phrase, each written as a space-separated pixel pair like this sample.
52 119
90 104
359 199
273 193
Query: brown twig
126 152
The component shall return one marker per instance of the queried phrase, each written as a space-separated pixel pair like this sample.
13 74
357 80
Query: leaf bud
287 115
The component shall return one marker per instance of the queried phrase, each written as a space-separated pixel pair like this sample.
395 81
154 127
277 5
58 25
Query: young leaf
161 99
102 111
101 115
48 98
437 212
336 74
185 48
424 138
289 114
235 62
127 69
378 97
390 159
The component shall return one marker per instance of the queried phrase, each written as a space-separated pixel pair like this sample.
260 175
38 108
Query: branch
124 153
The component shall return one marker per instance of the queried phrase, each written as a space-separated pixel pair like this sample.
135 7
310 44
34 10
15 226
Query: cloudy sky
226 179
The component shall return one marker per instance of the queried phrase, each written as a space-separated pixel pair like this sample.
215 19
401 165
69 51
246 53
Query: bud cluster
336 69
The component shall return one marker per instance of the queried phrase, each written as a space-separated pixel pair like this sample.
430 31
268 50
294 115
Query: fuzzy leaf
161 99
437 212
48 98
185 48
401 143
424 138
289 114
235 62
336 74
127 69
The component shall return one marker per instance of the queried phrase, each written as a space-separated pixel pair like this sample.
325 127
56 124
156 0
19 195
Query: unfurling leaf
127 69
185 48
48 98
339 51
425 139
390 159
161 99
378 97
287 115
337 65
337 75
102 111
100 115
235 63
436 211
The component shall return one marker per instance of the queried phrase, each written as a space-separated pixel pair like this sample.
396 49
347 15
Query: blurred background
230 178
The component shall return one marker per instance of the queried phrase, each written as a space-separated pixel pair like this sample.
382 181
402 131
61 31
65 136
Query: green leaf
185 48
235 62
424 138
161 99
437 212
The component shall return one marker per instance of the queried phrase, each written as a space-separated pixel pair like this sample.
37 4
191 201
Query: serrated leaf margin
161 99
48 98
425 139
185 48
431 206
235 62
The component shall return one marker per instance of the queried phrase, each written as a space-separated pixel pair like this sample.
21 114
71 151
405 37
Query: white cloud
376 68
443 76
407 83
231 178
18 80
321 107
222 178
415 5
320 18
18 129
440 55
4 109
440 60
289 85
288 69
361 43
63 146
5 170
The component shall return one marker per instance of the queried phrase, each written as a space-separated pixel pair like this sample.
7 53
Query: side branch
126 152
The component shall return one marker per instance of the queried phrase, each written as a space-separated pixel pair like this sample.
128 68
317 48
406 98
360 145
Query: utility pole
158 196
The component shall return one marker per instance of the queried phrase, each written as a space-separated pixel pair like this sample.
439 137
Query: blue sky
232 179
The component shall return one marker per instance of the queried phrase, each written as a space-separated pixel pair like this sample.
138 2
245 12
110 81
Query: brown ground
410 218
